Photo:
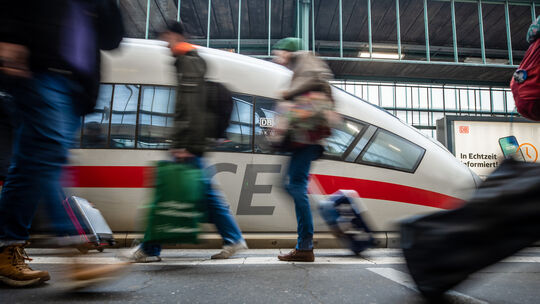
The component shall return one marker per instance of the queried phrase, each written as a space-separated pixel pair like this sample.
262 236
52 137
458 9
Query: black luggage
89 223
503 217
344 213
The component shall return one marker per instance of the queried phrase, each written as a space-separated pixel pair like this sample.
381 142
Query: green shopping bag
177 207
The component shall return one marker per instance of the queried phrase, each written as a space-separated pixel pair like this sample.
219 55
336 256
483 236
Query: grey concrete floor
255 276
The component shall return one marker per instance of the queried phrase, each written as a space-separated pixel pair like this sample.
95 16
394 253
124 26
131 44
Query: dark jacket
190 114
64 36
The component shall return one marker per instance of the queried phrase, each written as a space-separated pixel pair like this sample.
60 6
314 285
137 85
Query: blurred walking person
310 78
192 124
50 52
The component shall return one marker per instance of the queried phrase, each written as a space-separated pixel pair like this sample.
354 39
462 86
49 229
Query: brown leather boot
15 272
298 256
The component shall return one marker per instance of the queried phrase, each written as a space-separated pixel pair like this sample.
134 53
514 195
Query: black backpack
219 104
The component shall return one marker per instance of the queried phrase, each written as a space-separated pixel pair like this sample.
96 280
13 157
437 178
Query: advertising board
482 143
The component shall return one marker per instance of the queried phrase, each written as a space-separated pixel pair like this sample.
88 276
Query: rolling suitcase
345 214
442 249
89 223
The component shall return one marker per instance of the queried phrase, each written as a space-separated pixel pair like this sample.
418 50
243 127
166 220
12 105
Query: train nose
476 178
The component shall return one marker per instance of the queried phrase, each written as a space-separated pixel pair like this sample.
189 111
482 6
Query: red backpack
525 84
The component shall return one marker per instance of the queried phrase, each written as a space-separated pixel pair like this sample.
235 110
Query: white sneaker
137 255
230 250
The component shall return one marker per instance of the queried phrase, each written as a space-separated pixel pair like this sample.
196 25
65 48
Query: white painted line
252 260
267 260
394 275
405 280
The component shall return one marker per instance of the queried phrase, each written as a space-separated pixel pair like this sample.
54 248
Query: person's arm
310 74
308 81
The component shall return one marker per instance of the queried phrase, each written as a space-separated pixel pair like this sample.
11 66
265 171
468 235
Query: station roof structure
467 41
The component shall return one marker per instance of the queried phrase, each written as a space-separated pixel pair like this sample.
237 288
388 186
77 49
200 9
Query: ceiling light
488 60
378 55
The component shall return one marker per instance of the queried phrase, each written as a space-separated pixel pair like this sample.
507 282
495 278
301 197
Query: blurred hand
14 60
181 153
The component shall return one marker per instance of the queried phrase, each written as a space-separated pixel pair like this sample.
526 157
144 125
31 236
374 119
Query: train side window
264 121
124 115
156 117
361 144
391 151
240 129
342 136
96 125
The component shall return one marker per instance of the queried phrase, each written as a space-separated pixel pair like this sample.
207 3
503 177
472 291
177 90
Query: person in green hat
310 74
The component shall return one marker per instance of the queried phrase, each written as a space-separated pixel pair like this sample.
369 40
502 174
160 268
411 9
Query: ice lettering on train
221 167
249 187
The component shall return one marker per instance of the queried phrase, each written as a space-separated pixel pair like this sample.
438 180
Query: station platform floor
256 276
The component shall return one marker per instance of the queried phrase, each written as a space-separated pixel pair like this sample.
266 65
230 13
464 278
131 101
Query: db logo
266 122
463 129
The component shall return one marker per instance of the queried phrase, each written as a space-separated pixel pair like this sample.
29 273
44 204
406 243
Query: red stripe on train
108 176
140 177
387 191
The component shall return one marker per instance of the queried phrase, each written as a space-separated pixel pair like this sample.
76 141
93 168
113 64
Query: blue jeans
48 118
219 214
298 175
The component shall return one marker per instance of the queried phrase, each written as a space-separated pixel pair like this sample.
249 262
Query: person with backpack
309 84
194 123
50 51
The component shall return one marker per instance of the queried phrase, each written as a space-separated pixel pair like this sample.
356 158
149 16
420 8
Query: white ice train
395 169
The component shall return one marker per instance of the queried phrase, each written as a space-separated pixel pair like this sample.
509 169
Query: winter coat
190 112
309 74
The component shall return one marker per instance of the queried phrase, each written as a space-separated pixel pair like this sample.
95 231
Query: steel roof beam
513 2
356 46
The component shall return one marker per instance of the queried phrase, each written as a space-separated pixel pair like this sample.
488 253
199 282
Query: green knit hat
290 44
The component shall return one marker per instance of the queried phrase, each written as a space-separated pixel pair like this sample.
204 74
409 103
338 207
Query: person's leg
48 121
298 175
219 212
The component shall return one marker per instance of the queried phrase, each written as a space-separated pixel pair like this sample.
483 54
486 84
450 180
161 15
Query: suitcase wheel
83 250
100 248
